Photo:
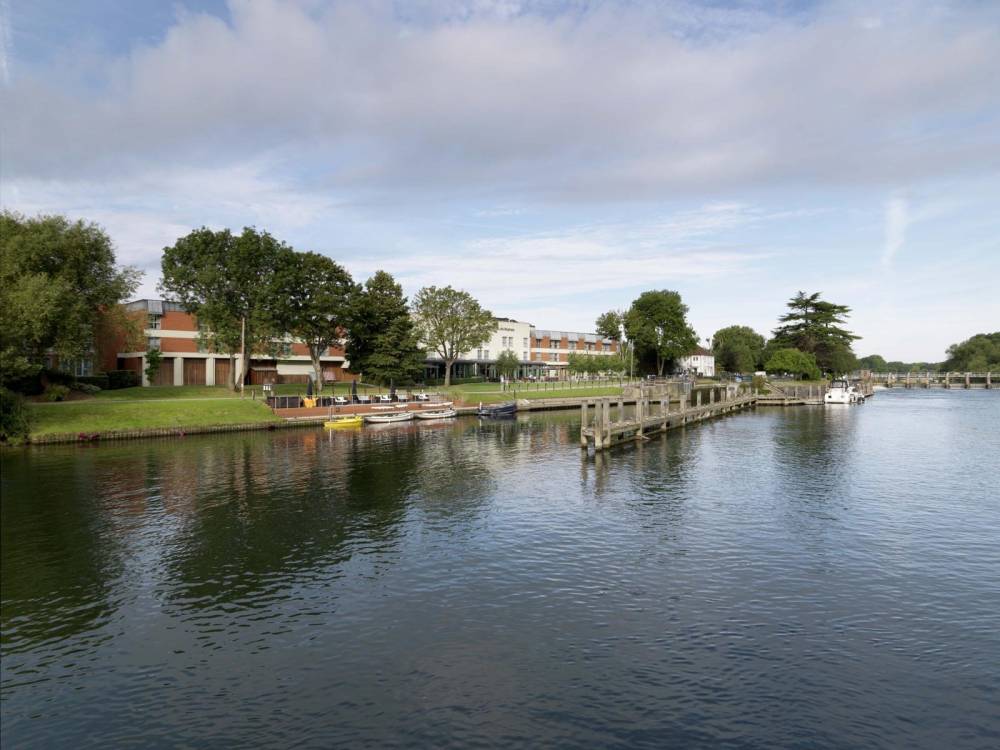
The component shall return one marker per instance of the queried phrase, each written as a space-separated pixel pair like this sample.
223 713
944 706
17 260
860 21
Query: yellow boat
352 420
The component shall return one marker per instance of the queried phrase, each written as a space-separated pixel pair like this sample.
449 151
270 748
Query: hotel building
167 327
186 361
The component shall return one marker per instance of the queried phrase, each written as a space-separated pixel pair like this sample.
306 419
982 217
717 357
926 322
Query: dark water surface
805 578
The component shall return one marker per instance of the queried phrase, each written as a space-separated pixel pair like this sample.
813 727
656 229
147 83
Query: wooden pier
654 416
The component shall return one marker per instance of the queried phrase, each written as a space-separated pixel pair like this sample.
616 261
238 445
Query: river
808 577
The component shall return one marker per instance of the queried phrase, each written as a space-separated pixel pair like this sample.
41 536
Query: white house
700 361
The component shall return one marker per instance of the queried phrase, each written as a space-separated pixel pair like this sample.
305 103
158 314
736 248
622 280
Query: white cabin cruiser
842 392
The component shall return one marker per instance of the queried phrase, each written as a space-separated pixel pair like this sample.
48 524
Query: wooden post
640 412
583 424
697 398
987 380
966 381
621 408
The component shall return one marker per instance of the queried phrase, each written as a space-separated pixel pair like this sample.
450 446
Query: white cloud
897 219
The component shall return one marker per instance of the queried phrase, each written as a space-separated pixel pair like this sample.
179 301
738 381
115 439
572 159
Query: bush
101 381
15 419
55 393
122 379
85 388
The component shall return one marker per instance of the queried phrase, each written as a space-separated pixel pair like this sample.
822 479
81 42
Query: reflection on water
813 577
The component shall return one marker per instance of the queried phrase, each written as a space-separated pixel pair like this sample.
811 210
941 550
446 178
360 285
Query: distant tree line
980 353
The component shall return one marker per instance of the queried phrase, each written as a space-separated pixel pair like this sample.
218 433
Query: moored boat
350 420
507 409
389 418
439 414
842 392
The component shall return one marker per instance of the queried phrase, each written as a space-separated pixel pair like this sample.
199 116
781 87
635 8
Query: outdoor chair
383 398
340 401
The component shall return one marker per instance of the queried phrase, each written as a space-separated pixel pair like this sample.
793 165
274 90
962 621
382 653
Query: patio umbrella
309 386
354 390
392 389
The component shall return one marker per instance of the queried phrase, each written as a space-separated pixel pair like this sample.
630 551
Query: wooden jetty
965 380
654 416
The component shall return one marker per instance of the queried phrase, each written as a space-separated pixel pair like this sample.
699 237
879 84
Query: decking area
598 431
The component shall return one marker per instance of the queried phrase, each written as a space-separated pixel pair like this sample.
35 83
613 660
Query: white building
700 362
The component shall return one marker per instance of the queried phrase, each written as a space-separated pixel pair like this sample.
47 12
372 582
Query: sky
554 159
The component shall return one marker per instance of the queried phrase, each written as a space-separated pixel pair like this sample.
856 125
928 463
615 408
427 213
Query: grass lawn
102 415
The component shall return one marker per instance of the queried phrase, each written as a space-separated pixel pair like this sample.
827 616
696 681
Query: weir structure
654 416
966 380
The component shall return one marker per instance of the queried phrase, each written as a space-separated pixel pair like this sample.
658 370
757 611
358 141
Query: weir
654 416
960 380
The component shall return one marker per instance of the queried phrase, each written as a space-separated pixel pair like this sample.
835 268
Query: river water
809 577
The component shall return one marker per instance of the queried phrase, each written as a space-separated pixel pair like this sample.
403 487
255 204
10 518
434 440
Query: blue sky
554 159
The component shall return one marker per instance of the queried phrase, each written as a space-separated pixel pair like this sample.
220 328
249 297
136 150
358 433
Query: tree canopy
979 353
315 296
815 326
738 349
229 283
449 322
507 364
611 325
382 343
657 323
873 362
58 280
794 362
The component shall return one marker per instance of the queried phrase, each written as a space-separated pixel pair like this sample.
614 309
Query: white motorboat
842 392
404 416
439 414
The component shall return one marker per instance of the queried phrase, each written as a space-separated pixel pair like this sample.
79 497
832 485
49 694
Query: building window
152 343
607 347
554 357
154 321
572 346
524 355
538 343
526 343
486 353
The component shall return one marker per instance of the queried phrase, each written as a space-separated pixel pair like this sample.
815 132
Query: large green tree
657 323
815 326
981 353
229 283
382 342
449 322
794 362
738 349
58 281
316 295
508 364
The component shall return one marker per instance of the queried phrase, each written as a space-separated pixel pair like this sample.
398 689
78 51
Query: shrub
101 381
85 388
55 393
15 419
122 379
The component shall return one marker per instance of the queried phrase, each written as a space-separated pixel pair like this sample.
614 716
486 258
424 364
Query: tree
58 281
508 364
154 360
873 362
450 322
228 283
814 326
738 349
611 325
980 353
794 362
317 294
657 323
382 343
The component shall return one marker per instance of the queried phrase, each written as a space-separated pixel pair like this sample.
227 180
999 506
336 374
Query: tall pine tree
815 326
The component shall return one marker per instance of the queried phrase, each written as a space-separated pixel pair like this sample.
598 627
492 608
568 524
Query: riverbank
161 411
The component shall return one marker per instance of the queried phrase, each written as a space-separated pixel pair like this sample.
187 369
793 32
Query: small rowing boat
352 420
439 414
388 418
